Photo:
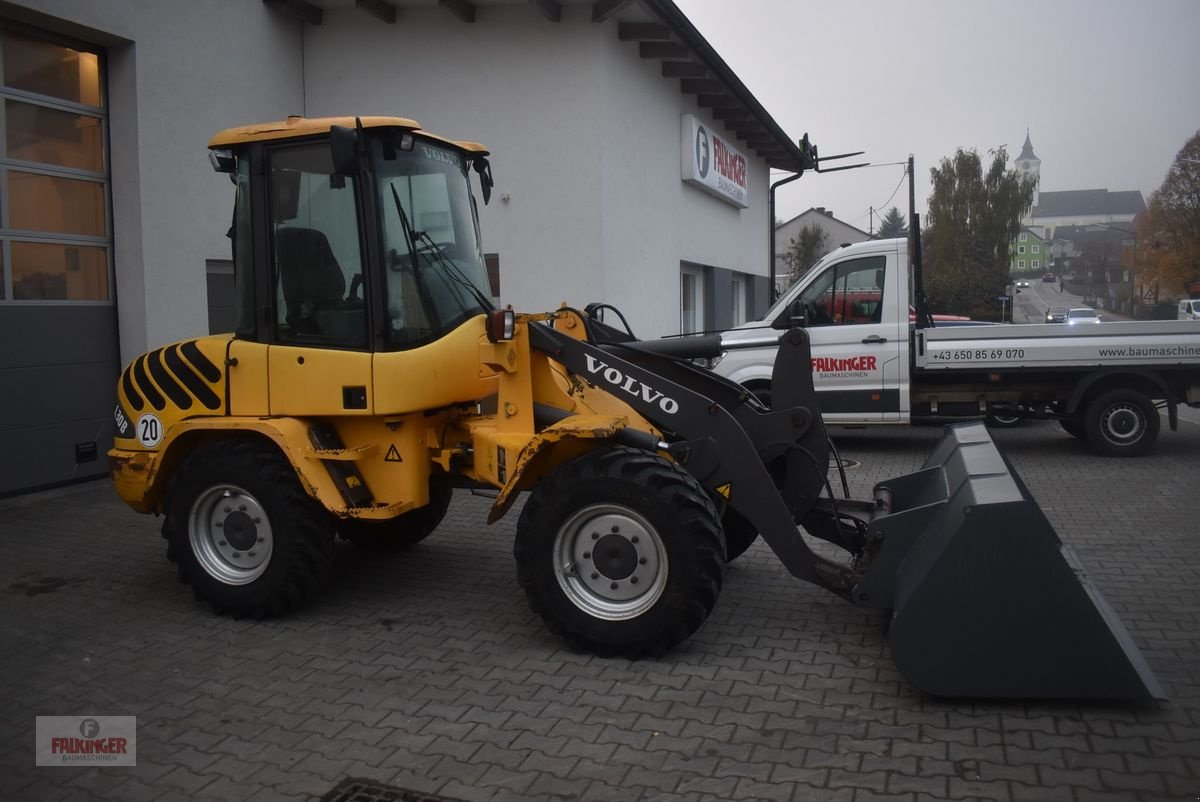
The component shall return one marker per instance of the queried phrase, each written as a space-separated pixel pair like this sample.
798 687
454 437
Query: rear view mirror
345 149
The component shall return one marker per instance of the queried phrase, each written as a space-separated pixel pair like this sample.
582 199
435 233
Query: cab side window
847 293
315 251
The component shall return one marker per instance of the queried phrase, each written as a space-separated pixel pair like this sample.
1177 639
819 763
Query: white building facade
591 110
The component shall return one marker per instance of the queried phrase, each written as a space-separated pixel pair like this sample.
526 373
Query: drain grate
351 790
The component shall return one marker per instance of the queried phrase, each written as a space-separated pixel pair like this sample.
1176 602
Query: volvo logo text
631 385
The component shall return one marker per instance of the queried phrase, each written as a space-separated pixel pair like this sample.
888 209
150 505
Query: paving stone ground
426 669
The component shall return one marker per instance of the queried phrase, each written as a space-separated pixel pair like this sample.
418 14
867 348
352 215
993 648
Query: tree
1168 246
892 225
973 220
804 250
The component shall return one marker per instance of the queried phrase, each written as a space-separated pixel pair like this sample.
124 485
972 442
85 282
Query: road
1033 301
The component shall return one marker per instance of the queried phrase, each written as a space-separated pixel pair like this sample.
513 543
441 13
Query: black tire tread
691 506
307 523
1095 410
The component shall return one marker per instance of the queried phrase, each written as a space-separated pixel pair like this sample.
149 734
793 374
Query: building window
1036 248
491 263
1020 249
1035 264
55 236
737 291
1020 264
1023 236
691 300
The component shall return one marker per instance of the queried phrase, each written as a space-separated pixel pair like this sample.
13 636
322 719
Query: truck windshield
434 269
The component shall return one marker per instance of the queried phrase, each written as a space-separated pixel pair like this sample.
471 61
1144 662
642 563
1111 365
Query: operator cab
365 229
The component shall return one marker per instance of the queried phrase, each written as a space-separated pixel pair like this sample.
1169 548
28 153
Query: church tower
1029 164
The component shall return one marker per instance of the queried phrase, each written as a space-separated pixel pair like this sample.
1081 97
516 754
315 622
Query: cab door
850 312
319 360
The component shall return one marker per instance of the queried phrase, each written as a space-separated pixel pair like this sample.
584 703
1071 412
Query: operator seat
310 275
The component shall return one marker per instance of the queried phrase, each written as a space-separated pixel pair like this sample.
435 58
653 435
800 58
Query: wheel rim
230 535
610 562
1122 424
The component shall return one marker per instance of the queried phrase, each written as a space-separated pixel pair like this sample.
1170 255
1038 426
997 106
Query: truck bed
1057 345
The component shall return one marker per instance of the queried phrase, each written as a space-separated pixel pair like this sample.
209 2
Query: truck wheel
1121 423
247 538
620 552
402 531
1072 426
998 420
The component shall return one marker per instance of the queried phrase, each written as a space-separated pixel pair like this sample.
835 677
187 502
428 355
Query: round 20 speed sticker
149 430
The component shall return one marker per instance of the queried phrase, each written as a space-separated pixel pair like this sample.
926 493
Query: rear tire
620 552
1121 423
998 420
402 531
246 536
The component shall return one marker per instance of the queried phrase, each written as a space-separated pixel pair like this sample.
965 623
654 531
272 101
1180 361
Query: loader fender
535 458
142 477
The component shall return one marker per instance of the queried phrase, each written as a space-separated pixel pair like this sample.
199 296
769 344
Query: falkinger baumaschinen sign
712 164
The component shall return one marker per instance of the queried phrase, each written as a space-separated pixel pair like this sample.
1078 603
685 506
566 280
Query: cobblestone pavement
426 669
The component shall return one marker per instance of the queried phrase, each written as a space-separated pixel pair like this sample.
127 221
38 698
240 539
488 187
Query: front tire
620 552
1121 423
246 536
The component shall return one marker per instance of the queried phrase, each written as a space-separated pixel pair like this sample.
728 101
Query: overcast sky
1109 91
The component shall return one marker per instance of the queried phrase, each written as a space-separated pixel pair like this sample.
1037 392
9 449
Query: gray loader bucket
986 600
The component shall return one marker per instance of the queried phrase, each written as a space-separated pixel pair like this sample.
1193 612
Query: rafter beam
697 86
642 31
551 9
604 9
733 116
299 9
381 10
463 9
683 69
716 101
663 50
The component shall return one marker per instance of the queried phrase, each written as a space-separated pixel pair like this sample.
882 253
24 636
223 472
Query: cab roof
294 127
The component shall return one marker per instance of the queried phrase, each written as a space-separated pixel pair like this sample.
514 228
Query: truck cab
855 309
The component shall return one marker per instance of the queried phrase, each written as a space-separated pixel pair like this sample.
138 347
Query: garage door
59 356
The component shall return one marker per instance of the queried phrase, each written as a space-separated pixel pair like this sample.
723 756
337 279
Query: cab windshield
434 271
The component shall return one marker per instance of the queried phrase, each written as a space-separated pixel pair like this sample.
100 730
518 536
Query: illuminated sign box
711 163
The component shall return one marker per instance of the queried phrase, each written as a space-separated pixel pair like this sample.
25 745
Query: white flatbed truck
872 364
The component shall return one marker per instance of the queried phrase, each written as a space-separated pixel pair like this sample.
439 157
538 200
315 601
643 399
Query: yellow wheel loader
370 373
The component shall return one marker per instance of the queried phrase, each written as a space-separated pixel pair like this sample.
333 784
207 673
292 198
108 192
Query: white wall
652 220
178 73
585 137
520 84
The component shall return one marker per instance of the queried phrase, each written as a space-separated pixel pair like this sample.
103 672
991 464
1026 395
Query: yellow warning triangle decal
393 455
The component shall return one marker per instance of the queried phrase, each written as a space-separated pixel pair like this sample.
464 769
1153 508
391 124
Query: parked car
1189 309
1048 278
1082 315
1056 314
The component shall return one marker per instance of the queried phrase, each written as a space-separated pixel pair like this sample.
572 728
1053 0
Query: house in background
1031 253
837 233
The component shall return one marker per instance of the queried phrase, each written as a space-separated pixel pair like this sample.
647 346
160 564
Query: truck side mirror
792 317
